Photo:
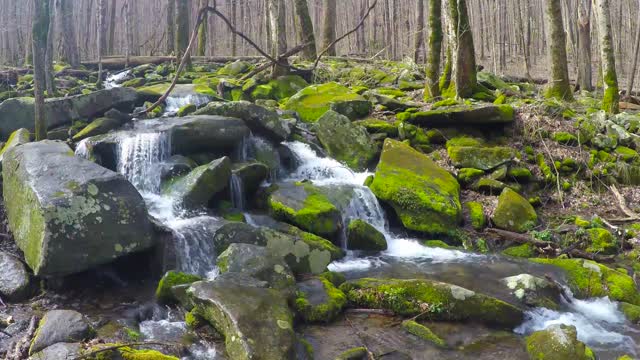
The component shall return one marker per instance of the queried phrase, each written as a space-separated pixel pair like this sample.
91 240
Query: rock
476 215
457 116
514 213
315 100
255 322
18 113
348 143
467 176
362 236
14 278
177 165
534 291
258 262
423 332
389 102
318 300
235 68
97 127
260 120
483 158
251 175
407 298
425 196
601 241
171 279
186 110
195 189
358 353
69 214
195 93
377 126
128 353
278 89
59 326
557 342
58 351
17 138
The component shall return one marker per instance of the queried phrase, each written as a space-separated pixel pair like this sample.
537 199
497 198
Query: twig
285 55
116 347
623 204
520 238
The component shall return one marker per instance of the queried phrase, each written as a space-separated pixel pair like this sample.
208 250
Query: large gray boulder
18 113
58 351
68 214
60 326
258 262
197 187
14 278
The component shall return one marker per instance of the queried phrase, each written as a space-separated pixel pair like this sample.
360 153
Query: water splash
82 149
195 249
139 157
114 80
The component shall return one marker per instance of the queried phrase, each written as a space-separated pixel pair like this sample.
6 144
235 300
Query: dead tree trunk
39 36
329 26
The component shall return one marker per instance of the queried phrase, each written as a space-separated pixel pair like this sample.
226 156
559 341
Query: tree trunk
636 50
50 81
128 31
432 88
329 26
39 36
70 53
101 13
305 29
523 44
360 34
234 39
463 71
559 82
584 46
611 98
171 26
202 30
277 19
112 28
183 14
419 36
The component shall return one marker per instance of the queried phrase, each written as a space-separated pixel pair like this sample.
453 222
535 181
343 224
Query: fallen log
520 238
120 62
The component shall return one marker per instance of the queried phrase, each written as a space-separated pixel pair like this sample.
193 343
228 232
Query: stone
425 196
17 138
345 141
318 301
514 213
457 116
557 342
59 326
258 262
68 214
195 189
251 175
177 165
315 100
58 351
14 279
169 280
363 236
423 332
534 291
483 158
97 127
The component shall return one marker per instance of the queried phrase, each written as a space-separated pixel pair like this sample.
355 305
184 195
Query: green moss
422 332
438 244
134 83
325 311
376 126
469 175
315 100
548 175
357 353
514 212
127 353
476 215
186 110
336 278
171 279
193 320
523 251
363 236
625 357
627 154
483 158
520 174
565 138
445 103
632 312
601 241
558 342
464 141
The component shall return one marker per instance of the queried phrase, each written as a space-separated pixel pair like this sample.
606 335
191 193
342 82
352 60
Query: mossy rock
127 353
631 312
534 291
627 154
363 236
234 69
465 141
483 158
523 251
425 196
17 138
358 353
315 100
557 342
469 175
171 279
489 186
444 301
423 332
476 215
565 138
286 86
514 213
601 241
318 300
376 126
438 244
520 174
589 279
97 127
195 189
186 110
461 115
134 83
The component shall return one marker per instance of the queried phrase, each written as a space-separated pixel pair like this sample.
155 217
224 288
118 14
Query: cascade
237 192
174 103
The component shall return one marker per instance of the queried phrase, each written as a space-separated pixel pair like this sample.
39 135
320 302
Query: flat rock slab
58 326
486 115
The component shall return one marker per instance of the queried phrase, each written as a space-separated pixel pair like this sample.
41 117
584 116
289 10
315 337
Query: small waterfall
237 192
365 206
194 245
82 149
174 103
139 157
114 80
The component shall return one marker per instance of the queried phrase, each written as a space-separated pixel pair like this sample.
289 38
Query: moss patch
315 100
171 279
323 311
422 332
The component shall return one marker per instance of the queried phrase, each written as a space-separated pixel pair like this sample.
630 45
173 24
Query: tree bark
329 26
305 29
559 82
523 43
636 50
419 36
584 45
610 101
112 28
203 30
101 13
70 53
171 26
39 36
277 19
50 80
432 88
463 71
183 14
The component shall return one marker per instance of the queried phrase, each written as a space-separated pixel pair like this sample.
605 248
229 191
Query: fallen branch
371 311
265 66
21 348
370 355
521 238
120 346
623 204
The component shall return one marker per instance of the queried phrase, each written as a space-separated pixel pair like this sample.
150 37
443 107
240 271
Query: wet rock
260 120
456 116
345 141
194 92
60 326
258 262
14 278
514 213
557 342
58 351
423 332
251 175
256 322
483 158
358 353
97 127
177 165
315 100
534 291
424 195
69 214
18 113
186 110
192 134
171 279
444 301
195 189
363 236
318 300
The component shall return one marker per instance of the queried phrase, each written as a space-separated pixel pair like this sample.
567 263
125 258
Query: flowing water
174 103
114 80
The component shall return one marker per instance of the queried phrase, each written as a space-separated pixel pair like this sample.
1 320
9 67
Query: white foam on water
162 330
139 157
82 150
201 351
349 264
412 249
174 103
114 80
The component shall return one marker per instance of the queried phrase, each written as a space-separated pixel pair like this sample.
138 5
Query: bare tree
183 12
610 100
112 28
101 13
305 29
584 45
432 89
559 82
171 26
636 50
39 36
329 26
50 81
419 35
277 19
463 71
203 30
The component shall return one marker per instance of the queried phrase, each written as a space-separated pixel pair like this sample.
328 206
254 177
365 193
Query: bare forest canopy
390 32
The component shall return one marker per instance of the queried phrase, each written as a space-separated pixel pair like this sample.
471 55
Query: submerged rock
60 326
514 213
315 100
197 187
14 278
69 214
363 236
345 141
318 300
557 342
424 195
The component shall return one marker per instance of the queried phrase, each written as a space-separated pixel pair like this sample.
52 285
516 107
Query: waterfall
321 170
139 157
82 150
114 80
237 192
174 103
194 246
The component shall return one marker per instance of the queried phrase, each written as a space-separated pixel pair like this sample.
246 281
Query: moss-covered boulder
357 353
60 326
257 262
443 301
456 116
557 342
186 110
255 322
514 213
475 215
305 206
315 100
483 158
17 138
425 196
126 353
70 215
377 126
251 175
589 279
523 251
318 300
235 68
97 127
283 87
601 241
348 143
171 279
363 236
197 187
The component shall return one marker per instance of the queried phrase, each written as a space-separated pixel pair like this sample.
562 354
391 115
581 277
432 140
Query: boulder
318 300
68 214
363 236
195 189
457 116
177 165
514 213
14 278
558 342
425 196
534 291
251 175
345 141
258 262
58 351
196 93
483 158
315 100
60 326
18 113
390 102
408 298
97 127
255 322
171 279
281 88
17 138
259 119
